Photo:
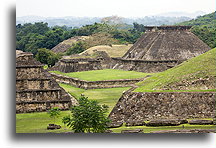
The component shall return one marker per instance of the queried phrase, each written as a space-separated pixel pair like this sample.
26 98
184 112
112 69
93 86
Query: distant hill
198 73
81 21
204 27
208 20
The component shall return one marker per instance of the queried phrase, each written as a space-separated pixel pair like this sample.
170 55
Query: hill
66 44
112 51
88 41
197 73
208 20
204 28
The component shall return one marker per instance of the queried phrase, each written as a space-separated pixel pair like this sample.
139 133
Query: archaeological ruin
36 90
158 49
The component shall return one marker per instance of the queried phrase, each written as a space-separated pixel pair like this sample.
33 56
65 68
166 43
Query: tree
78 47
88 116
54 113
47 56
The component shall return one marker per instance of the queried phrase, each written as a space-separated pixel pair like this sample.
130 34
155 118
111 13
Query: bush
47 56
88 116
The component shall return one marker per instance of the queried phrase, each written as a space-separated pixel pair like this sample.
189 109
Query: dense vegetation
204 28
31 37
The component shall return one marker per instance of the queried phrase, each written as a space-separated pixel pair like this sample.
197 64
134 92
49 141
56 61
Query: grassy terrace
106 74
202 66
108 96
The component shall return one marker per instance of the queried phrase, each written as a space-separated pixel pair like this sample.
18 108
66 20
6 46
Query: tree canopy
88 117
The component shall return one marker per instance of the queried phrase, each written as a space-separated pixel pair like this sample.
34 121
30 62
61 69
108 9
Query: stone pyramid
36 90
167 43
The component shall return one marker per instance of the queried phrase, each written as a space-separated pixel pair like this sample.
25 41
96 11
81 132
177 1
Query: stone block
163 122
132 131
135 123
115 124
201 122
53 127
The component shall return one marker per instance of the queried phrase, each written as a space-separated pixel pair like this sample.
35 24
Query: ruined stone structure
36 90
142 106
165 45
100 60
148 66
75 65
95 84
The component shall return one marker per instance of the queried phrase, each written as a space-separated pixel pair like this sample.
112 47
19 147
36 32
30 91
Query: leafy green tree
88 116
47 56
54 113
78 47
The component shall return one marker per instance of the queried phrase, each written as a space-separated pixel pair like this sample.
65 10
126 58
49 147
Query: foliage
88 116
54 113
206 34
31 37
78 47
46 56
204 28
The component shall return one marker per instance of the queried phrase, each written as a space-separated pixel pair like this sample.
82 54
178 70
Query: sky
101 8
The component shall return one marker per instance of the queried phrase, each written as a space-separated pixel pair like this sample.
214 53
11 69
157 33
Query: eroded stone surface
132 131
201 122
36 90
163 105
187 131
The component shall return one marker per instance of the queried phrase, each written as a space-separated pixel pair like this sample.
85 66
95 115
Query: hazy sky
125 8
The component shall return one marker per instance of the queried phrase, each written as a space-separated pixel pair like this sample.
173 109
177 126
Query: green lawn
37 123
108 96
105 74
202 66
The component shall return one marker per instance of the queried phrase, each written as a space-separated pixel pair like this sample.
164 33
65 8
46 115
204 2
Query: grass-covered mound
105 74
196 74
112 51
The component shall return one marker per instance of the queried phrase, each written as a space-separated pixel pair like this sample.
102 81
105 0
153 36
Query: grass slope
202 66
112 51
105 74
108 96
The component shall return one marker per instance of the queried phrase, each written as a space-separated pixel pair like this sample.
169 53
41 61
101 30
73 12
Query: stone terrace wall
37 106
143 65
136 106
75 65
95 84
36 90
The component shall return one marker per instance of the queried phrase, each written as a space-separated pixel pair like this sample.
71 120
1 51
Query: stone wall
38 106
137 106
143 65
75 65
95 84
